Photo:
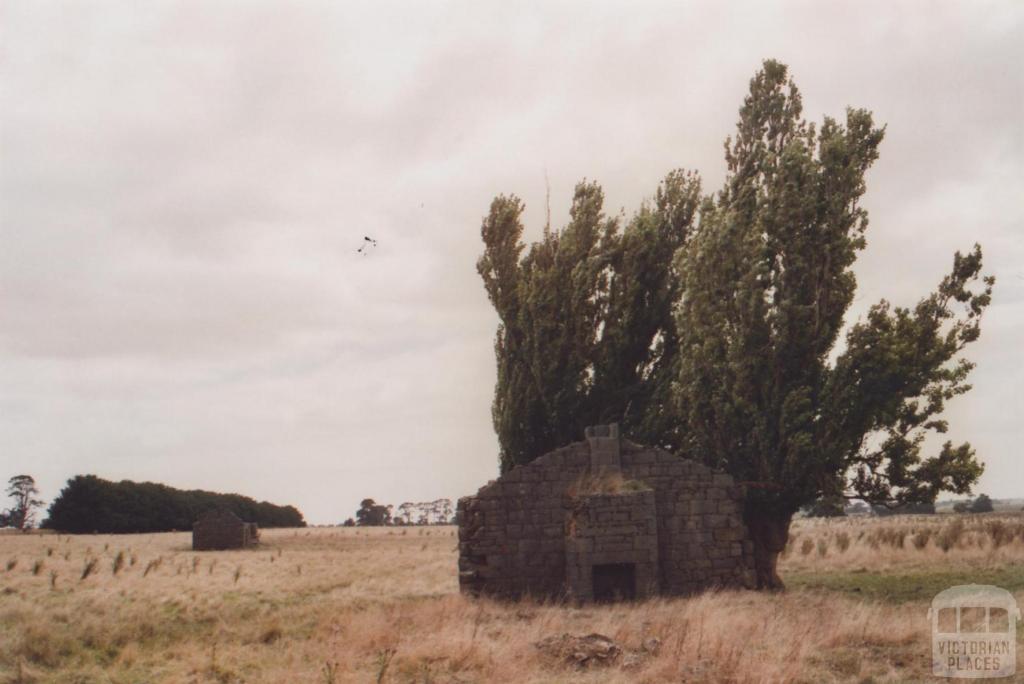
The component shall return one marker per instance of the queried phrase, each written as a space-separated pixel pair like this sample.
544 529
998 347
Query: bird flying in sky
368 243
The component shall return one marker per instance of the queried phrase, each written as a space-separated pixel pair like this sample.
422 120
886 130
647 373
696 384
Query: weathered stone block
729 534
716 520
727 506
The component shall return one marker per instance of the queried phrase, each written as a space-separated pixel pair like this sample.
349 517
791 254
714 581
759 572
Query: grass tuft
90 567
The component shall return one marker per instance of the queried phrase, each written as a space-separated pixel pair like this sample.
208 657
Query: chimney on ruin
604 448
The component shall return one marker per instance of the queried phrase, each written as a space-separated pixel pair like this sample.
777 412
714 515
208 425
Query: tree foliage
437 512
752 376
768 279
983 504
918 508
22 489
831 507
373 514
90 504
586 332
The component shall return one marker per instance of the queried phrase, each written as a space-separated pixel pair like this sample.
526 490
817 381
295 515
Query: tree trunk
769 530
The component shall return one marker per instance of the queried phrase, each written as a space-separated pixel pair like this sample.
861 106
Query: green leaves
709 324
767 282
586 331
900 367
90 504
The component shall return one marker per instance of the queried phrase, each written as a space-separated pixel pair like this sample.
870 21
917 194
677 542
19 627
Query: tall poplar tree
767 280
586 333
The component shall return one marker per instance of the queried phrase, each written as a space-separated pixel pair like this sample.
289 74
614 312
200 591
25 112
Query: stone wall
529 532
612 529
222 529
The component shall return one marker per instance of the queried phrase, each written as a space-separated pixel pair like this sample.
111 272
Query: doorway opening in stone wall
614 582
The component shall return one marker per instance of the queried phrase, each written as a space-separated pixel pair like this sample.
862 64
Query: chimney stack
604 448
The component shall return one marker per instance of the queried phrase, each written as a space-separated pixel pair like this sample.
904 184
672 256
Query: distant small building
221 529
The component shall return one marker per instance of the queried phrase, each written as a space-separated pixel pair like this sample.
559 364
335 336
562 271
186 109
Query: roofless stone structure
218 529
604 519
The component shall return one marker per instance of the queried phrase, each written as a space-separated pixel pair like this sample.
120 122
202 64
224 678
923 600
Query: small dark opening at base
614 582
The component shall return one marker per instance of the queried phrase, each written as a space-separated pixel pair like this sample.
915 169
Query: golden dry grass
907 542
356 605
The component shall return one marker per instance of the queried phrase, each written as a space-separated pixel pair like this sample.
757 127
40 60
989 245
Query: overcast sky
184 185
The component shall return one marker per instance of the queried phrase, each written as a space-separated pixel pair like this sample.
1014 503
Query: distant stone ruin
220 529
604 519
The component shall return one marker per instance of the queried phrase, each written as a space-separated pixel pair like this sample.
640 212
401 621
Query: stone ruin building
604 519
219 529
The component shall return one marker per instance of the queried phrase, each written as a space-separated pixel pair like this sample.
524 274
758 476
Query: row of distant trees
837 508
834 508
982 504
90 504
371 513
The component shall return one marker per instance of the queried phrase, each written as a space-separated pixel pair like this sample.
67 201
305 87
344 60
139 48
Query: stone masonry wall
221 529
521 534
702 541
605 529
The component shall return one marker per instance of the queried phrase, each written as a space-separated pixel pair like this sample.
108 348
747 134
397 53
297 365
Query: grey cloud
183 187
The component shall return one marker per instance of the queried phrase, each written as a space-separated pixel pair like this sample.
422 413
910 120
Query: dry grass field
382 605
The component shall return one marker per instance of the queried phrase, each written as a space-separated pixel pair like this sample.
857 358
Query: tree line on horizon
838 508
373 514
89 504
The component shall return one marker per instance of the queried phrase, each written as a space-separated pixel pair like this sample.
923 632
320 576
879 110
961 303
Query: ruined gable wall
513 533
